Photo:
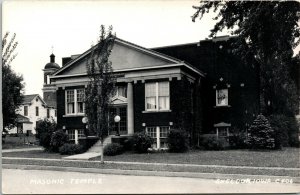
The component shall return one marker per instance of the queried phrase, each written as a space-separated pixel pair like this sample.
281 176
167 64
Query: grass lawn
34 154
18 142
287 157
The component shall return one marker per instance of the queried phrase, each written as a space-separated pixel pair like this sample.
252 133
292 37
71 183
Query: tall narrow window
80 100
163 95
222 97
48 113
70 102
150 96
157 96
151 131
163 136
36 111
25 110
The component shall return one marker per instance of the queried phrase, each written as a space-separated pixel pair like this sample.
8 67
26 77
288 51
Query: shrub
44 130
212 142
58 138
260 134
70 149
113 149
141 142
237 141
286 130
127 144
178 141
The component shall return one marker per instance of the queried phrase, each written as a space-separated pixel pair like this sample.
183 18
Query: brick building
200 87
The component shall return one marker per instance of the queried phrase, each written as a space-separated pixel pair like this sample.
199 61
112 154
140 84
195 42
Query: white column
130 115
157 137
76 136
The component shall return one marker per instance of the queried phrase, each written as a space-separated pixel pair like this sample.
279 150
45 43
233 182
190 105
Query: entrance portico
122 105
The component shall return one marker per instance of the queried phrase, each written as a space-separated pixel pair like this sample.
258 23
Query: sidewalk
218 176
21 149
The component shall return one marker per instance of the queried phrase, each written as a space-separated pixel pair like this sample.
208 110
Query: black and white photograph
150 97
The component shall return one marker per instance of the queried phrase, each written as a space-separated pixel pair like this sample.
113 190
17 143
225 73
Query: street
16 181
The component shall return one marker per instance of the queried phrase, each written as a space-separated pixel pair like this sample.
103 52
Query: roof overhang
138 69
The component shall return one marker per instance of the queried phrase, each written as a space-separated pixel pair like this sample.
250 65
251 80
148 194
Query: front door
119 126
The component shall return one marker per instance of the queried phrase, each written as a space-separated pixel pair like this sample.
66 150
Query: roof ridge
176 59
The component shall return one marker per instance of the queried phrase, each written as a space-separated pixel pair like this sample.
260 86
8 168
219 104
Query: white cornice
136 69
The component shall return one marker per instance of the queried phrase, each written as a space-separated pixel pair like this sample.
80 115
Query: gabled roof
171 60
28 98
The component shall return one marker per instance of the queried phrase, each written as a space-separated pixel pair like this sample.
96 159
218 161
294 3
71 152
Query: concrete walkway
21 149
93 152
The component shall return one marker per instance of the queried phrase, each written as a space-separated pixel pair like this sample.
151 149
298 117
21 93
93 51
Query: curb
215 176
21 150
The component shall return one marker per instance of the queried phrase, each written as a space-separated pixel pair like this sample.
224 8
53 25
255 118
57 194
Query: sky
71 27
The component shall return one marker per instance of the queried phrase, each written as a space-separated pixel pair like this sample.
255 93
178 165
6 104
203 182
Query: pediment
125 56
118 100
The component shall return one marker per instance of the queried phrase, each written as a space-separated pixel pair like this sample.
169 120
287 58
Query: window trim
83 106
71 134
37 112
26 109
75 103
218 130
226 99
48 113
158 138
157 98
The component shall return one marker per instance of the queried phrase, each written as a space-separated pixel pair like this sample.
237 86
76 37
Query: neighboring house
199 87
32 110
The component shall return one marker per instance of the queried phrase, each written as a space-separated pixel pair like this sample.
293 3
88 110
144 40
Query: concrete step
97 146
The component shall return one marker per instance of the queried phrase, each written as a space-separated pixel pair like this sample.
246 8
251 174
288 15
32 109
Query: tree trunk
102 152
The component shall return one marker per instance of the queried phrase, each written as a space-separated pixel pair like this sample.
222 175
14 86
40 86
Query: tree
44 130
261 134
12 85
267 33
100 86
